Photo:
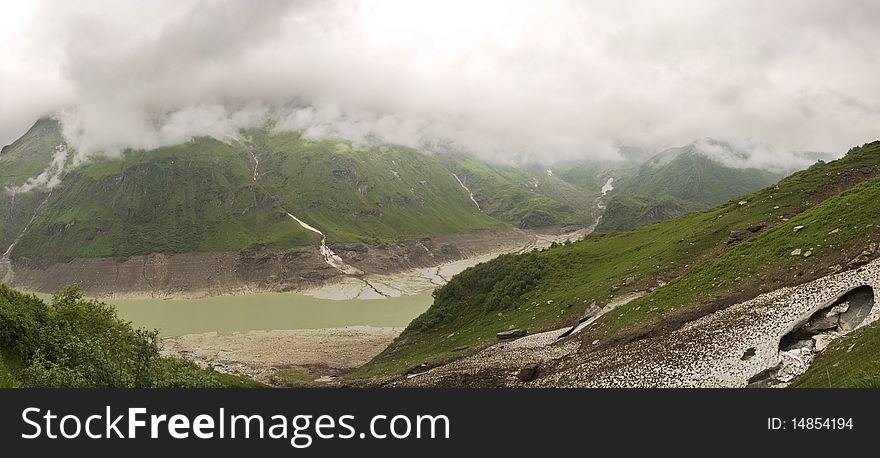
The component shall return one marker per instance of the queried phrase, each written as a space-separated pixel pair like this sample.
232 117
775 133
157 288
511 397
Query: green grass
292 378
852 361
690 252
235 381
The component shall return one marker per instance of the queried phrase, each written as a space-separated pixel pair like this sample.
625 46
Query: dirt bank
323 353
211 274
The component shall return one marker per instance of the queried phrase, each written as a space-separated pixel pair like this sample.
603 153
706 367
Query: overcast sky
504 79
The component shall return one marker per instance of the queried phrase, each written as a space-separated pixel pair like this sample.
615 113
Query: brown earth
211 274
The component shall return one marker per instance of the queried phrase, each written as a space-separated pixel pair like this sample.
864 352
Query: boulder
528 373
629 281
798 228
796 252
590 312
511 334
821 324
863 258
822 341
756 228
764 378
797 345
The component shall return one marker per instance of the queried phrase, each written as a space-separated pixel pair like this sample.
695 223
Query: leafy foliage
78 342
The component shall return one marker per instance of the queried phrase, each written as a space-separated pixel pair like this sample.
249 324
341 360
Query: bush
492 286
78 342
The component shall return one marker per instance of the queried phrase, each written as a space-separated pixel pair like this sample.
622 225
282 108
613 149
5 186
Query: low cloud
509 81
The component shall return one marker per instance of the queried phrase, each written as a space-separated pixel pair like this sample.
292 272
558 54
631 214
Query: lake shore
323 354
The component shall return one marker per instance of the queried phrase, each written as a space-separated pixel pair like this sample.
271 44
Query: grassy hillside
851 361
674 182
706 268
75 342
29 155
524 197
26 158
200 196
197 196
358 193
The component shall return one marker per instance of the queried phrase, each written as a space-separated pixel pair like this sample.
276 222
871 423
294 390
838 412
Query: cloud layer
507 80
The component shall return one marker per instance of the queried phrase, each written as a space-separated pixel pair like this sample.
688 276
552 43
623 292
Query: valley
301 261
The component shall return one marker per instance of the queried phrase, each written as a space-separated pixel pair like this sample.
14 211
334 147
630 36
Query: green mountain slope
29 155
198 196
524 197
706 265
201 196
675 182
364 193
26 158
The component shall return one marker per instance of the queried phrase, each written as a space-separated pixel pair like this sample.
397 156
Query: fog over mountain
506 80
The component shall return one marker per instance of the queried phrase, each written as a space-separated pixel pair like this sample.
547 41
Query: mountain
268 210
674 182
206 195
23 161
685 268
526 197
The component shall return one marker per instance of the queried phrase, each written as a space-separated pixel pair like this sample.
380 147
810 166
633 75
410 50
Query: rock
764 377
863 258
629 281
590 312
834 232
761 383
743 202
615 289
736 235
796 252
822 341
798 228
808 253
821 324
808 344
756 228
528 373
511 334
747 355
860 304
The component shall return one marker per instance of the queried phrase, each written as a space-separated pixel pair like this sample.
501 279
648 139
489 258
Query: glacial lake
266 311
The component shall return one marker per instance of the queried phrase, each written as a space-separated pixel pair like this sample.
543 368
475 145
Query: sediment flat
324 352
